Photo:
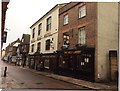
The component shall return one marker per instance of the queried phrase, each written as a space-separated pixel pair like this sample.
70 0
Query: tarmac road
31 80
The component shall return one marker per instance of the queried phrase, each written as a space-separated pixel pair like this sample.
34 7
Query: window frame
65 19
33 33
66 39
48 23
39 29
82 38
81 10
39 46
47 45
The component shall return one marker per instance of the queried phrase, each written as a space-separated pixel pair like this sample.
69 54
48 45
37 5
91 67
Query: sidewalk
91 85
10 83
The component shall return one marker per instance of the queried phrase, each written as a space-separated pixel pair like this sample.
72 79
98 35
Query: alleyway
29 80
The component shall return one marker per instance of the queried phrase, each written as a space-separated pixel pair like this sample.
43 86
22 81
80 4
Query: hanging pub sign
4 37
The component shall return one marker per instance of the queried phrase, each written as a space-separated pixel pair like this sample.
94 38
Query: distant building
23 50
11 51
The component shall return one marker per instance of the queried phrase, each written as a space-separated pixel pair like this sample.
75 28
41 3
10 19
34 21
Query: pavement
10 83
92 85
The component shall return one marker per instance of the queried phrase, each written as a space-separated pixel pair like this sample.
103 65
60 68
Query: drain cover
22 83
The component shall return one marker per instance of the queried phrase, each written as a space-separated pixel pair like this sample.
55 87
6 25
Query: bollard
5 71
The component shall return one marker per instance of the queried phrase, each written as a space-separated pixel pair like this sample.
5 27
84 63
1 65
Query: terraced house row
78 39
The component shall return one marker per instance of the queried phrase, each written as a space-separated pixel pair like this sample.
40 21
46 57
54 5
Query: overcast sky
21 14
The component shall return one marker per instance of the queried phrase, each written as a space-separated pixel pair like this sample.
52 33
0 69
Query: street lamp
4 35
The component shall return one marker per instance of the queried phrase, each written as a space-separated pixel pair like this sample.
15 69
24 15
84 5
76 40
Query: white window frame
39 46
39 29
33 33
65 19
82 11
82 36
49 23
47 45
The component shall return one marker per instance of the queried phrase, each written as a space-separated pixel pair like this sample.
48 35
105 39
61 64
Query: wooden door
113 66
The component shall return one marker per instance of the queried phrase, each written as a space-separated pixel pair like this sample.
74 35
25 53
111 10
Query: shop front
31 62
36 62
50 61
77 63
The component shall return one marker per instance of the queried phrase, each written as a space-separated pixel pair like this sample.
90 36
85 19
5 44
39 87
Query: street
31 80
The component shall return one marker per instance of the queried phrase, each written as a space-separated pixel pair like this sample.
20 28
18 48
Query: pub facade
44 39
88 28
85 42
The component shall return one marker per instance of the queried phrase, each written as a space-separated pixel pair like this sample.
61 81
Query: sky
21 14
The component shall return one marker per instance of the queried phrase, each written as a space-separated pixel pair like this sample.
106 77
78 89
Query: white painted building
44 32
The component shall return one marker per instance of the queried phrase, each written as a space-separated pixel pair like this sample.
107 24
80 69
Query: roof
48 12
68 6
26 39
18 40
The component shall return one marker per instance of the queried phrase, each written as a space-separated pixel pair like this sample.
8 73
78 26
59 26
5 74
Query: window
32 48
82 36
65 40
39 28
65 19
48 44
46 63
38 46
33 33
82 11
48 24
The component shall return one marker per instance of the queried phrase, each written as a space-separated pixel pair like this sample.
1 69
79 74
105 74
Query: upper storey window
66 19
33 33
48 24
82 11
82 36
39 28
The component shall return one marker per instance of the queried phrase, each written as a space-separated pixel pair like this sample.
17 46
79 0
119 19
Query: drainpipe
118 35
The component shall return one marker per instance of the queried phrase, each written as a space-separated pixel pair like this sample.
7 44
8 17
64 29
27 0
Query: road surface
30 80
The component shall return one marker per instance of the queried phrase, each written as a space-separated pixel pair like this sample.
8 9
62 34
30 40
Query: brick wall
74 23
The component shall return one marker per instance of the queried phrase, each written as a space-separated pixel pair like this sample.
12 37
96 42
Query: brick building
88 40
